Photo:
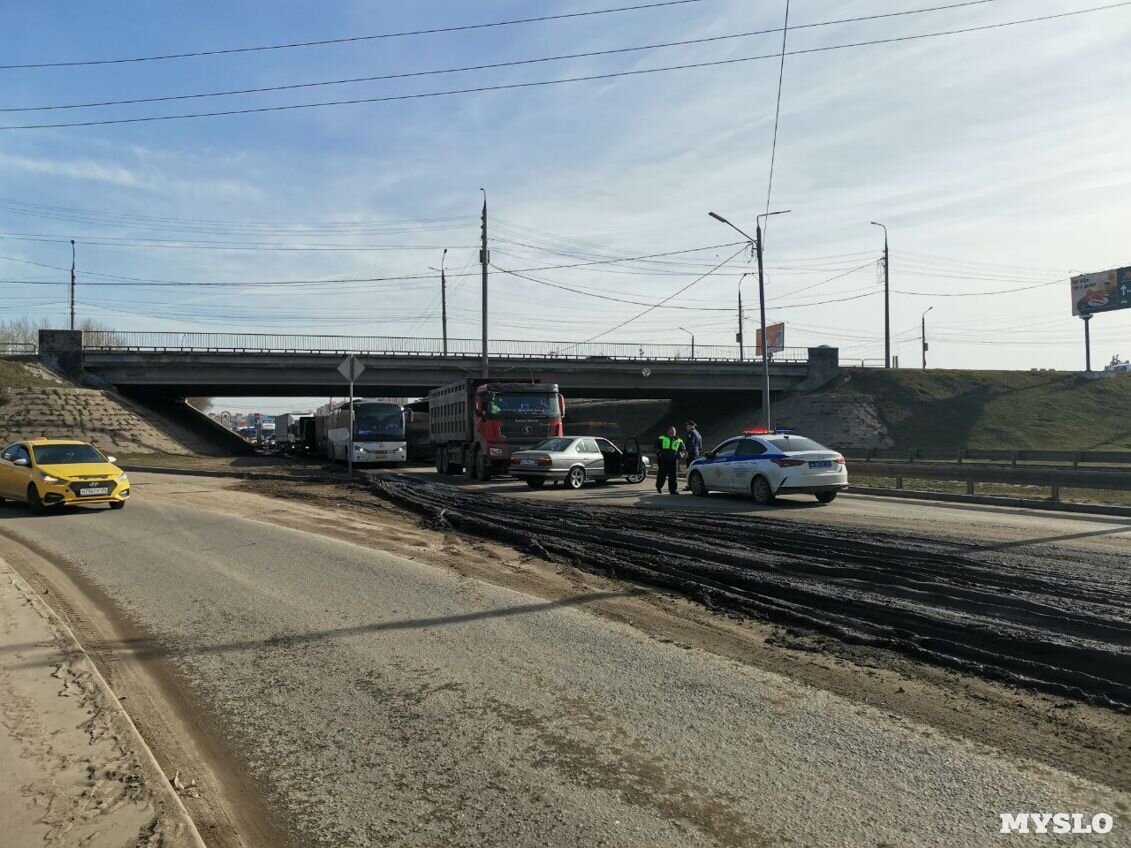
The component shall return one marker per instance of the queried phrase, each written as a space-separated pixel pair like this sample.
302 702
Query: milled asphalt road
381 701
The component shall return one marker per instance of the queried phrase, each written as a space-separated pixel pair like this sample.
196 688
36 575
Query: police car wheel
696 484
761 491
576 478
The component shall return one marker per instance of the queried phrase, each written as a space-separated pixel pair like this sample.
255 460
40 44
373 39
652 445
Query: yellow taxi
57 472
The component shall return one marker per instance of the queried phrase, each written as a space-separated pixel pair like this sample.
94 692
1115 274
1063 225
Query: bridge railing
115 340
18 348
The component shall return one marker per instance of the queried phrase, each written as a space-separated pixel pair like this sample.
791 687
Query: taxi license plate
88 493
824 463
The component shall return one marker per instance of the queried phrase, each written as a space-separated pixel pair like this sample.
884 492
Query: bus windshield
503 404
378 421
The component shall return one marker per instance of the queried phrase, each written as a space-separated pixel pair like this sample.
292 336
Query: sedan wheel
638 477
696 484
762 492
34 501
576 477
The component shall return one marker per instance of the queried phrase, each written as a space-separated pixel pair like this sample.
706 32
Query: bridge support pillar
824 365
62 349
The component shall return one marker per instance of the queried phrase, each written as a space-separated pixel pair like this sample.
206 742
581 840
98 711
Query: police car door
716 470
745 464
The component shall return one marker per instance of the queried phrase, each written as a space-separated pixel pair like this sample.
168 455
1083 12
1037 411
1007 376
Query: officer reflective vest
669 446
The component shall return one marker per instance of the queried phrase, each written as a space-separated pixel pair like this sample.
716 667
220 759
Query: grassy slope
999 409
14 375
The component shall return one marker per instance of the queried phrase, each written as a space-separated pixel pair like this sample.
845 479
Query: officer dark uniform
668 449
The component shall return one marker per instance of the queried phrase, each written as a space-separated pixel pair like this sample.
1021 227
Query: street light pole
757 244
923 334
484 259
72 284
741 336
887 298
692 340
444 300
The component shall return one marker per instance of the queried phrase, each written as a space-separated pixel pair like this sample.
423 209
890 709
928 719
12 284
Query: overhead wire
561 80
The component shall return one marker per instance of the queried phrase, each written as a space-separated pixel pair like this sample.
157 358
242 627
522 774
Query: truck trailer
475 426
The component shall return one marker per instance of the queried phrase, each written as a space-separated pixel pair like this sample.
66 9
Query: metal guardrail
977 455
973 473
113 340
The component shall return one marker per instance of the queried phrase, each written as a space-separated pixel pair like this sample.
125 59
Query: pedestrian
668 449
693 446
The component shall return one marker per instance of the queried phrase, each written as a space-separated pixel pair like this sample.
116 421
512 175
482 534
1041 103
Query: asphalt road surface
373 700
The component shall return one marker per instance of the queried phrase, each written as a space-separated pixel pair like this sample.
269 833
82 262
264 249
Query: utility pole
72 284
484 259
923 334
765 341
444 301
757 243
887 299
739 338
1087 342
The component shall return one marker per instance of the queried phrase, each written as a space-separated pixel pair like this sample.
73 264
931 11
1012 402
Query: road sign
351 368
1103 291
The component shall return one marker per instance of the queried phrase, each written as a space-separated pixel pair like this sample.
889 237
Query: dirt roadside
1089 741
76 770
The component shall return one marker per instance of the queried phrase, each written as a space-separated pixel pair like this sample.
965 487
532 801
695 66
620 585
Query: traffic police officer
668 449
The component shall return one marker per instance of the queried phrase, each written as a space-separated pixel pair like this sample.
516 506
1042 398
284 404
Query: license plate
87 493
526 462
824 463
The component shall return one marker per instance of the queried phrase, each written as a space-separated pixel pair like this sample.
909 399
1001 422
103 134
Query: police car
766 464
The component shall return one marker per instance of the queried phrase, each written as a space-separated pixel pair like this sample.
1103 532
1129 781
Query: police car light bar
756 431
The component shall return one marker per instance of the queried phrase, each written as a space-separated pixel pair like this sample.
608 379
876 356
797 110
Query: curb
995 500
164 786
207 472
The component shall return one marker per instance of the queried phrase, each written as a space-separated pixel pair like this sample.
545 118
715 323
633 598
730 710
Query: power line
564 80
777 113
344 40
492 66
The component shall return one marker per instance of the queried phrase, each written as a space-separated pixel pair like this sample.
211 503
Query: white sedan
766 465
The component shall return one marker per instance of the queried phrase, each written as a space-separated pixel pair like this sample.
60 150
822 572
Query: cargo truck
474 427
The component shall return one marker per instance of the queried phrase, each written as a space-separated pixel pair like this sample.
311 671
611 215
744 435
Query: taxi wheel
576 477
696 484
761 491
34 501
117 504
826 497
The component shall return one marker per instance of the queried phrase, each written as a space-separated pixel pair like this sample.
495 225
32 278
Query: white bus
378 431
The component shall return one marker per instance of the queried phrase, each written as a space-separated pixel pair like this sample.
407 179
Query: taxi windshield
65 454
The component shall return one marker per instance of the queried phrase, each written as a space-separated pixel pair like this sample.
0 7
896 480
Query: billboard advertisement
1103 291
776 335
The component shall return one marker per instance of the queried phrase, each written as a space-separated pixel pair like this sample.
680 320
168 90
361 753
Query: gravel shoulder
75 771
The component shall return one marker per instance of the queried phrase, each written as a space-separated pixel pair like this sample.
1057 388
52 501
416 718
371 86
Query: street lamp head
718 217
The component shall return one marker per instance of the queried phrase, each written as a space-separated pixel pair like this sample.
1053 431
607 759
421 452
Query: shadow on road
1066 537
149 648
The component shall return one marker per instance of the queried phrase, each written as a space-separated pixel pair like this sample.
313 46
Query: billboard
1103 291
776 335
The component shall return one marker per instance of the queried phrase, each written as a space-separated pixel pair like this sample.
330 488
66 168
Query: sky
997 159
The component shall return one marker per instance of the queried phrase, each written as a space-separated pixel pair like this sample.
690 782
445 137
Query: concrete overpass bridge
226 364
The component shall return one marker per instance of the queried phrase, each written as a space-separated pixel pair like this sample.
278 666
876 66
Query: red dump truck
474 427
